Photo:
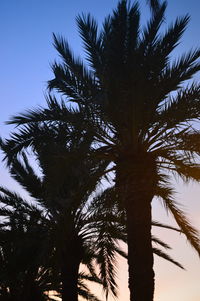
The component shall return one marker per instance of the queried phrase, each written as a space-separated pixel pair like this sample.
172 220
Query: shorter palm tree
74 233
22 232
29 261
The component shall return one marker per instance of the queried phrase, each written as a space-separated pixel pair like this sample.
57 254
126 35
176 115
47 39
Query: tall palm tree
133 98
94 220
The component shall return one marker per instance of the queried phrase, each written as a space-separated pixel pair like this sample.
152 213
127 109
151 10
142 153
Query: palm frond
160 242
167 257
150 33
181 108
154 5
88 30
181 70
87 295
158 224
187 229
25 175
133 23
106 260
56 111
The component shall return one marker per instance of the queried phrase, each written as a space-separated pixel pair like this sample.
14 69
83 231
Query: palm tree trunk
30 288
69 278
71 258
140 255
136 181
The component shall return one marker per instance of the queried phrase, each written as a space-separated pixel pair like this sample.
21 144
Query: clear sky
26 28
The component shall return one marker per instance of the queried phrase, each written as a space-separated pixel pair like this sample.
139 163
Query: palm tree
23 237
95 220
29 232
76 230
22 232
133 98
25 275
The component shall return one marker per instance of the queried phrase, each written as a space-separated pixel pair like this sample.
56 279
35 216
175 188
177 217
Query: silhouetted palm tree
23 274
28 234
76 231
48 143
133 99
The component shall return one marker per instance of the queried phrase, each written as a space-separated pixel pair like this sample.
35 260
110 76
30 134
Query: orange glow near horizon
171 282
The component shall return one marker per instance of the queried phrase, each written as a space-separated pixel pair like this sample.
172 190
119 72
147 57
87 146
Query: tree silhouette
75 230
133 98
23 275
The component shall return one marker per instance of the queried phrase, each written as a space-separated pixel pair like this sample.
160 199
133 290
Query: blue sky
26 54
26 42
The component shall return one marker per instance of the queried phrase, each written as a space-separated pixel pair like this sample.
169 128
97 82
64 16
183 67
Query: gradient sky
26 54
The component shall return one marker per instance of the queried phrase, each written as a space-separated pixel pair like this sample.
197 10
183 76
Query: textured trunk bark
69 278
71 259
136 180
140 255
